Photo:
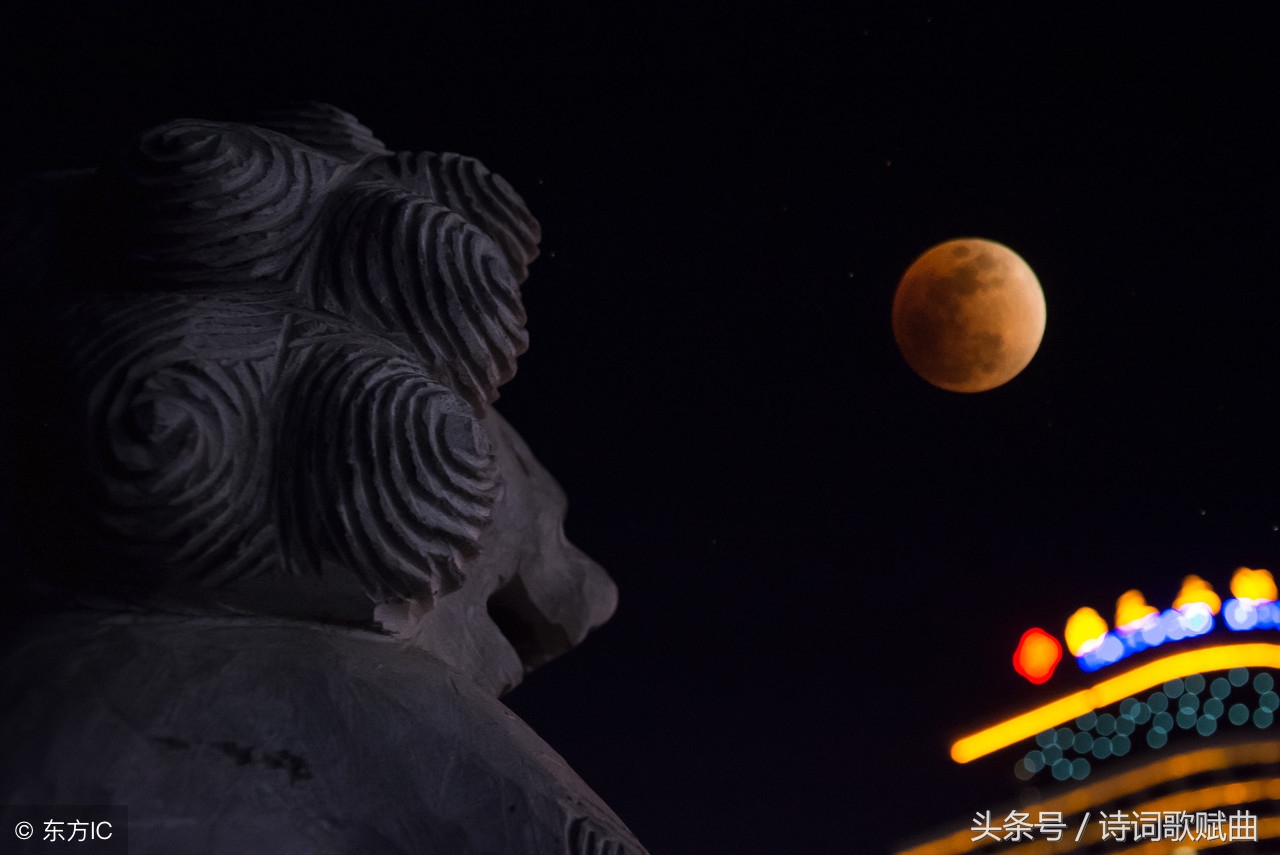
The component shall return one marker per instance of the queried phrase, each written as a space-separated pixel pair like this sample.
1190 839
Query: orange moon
968 315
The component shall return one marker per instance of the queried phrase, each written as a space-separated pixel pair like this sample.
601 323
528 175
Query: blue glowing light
1240 614
1172 624
1243 615
1192 620
1195 617
1109 652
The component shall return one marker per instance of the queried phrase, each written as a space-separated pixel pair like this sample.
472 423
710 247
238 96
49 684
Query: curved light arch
1113 690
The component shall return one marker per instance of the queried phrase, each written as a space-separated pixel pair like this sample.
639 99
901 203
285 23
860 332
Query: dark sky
824 562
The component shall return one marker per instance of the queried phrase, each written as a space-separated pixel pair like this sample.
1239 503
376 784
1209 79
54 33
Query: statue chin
289 552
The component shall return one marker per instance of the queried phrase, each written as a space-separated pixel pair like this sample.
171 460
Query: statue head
274 362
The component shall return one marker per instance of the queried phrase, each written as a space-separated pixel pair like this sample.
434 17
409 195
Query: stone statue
280 554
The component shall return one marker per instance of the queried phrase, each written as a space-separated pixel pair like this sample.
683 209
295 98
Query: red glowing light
1037 655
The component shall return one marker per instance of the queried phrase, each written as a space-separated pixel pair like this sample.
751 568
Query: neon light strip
1096 797
1155 630
1111 691
1175 625
1099 794
1268 827
1177 767
1211 798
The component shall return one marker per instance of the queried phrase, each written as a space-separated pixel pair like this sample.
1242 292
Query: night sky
824 562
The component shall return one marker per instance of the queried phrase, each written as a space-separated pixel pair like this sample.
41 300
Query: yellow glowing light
1249 584
1163 771
1112 691
1197 590
1125 785
1191 800
1085 630
1132 608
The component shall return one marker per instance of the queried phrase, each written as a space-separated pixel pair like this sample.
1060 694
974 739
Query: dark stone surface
261 735
281 553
